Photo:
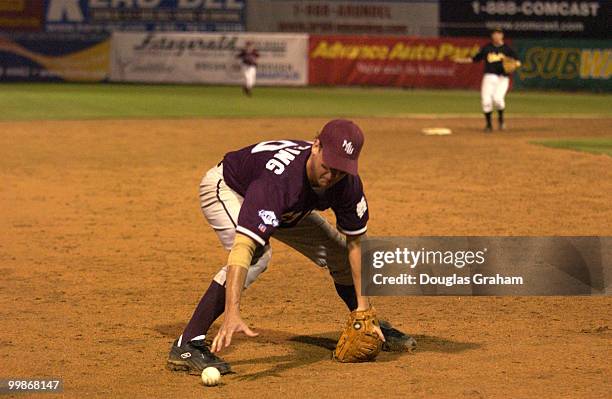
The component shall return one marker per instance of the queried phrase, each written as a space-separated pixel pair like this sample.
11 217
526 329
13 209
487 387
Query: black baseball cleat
193 357
488 129
395 340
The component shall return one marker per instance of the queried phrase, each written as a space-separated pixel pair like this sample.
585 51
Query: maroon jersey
248 57
271 176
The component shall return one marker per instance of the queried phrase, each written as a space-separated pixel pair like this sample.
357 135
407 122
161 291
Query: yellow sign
87 65
596 64
566 63
399 51
12 5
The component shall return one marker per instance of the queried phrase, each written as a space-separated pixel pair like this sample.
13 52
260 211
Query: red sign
21 15
393 61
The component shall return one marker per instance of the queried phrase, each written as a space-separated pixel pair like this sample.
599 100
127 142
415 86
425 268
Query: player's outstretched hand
232 323
375 327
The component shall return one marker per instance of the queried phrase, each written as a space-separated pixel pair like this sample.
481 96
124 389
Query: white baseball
210 376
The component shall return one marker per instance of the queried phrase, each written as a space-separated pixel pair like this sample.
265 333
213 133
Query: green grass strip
594 146
36 101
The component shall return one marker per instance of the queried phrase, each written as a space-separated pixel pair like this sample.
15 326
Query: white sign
390 17
168 57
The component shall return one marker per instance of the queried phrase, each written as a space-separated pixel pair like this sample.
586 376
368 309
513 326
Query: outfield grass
594 146
92 101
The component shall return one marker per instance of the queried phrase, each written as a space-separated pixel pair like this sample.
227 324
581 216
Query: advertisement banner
144 15
565 64
207 58
523 18
391 17
393 61
21 15
45 57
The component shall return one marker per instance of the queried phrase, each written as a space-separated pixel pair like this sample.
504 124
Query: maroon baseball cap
342 141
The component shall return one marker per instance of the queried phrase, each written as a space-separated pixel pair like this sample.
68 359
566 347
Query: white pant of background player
493 92
313 237
250 73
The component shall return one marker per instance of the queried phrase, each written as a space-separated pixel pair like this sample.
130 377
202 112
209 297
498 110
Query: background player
248 58
275 188
495 81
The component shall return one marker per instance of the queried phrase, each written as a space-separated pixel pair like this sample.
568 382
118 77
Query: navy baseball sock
211 306
500 116
488 118
347 293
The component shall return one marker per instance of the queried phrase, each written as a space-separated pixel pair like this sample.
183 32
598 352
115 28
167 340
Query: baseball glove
359 341
510 65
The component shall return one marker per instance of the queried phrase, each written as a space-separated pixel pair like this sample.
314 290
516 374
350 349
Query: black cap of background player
497 29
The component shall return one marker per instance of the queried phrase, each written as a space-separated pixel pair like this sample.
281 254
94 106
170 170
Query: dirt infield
104 254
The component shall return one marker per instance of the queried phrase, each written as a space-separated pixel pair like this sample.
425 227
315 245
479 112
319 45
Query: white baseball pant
493 92
249 72
313 237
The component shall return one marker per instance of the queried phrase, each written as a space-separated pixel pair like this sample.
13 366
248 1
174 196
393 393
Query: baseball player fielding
277 189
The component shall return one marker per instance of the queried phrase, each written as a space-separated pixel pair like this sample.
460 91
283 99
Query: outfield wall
296 60
425 18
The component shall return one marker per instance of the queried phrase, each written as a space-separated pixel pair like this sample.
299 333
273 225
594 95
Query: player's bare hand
232 323
379 332
376 328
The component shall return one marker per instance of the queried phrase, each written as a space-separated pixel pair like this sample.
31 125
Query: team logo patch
262 228
268 218
495 57
362 207
348 147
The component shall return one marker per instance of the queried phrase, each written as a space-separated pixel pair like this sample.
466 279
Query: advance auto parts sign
207 58
393 61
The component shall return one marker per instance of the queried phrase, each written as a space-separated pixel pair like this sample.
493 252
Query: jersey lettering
275 166
272 146
283 156
495 57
